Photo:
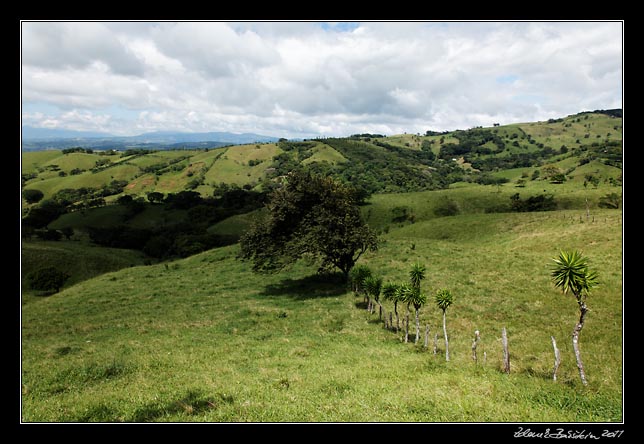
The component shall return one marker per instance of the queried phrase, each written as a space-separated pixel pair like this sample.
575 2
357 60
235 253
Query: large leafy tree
571 274
309 216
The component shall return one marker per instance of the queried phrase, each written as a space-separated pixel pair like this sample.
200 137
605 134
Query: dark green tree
49 279
309 216
32 195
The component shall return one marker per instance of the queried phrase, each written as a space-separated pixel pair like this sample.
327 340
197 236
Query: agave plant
570 273
444 299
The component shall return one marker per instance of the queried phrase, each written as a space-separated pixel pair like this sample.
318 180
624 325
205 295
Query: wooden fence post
477 338
506 354
557 358
426 336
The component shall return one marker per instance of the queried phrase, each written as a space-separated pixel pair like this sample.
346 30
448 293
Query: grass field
205 339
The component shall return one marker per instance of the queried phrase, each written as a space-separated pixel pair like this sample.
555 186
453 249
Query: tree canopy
308 216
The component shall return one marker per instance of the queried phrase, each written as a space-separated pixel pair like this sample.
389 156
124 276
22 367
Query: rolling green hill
205 339
180 329
380 164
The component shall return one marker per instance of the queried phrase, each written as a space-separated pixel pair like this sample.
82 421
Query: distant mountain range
43 138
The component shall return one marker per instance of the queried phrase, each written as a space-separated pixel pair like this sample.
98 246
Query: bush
611 200
49 279
446 207
32 196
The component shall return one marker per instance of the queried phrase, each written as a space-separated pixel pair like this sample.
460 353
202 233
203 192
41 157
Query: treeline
184 238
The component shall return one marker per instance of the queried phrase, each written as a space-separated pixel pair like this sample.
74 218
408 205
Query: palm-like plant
391 293
373 286
570 273
417 299
357 275
444 299
405 295
416 274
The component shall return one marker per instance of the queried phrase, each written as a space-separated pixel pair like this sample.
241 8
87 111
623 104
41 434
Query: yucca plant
373 286
391 293
416 274
417 299
405 295
570 273
357 275
444 300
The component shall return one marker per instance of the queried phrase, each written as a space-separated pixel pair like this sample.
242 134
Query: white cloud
304 79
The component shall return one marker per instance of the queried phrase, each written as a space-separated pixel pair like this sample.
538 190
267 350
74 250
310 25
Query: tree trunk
397 317
426 336
407 327
557 358
446 340
477 338
506 354
379 311
417 328
391 321
435 343
575 340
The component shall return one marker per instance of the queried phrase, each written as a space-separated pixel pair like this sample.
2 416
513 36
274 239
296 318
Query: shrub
49 279
446 207
32 196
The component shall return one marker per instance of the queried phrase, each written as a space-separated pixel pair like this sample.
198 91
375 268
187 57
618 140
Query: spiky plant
570 273
405 295
373 287
391 293
417 299
357 275
416 274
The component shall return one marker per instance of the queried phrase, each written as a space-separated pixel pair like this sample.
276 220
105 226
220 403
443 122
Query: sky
314 79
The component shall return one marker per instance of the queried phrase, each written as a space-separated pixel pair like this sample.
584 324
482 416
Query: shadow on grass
193 403
309 287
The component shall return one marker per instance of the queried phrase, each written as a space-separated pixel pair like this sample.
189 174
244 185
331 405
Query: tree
155 197
405 294
444 299
570 273
416 297
357 275
373 287
47 279
309 216
391 292
32 196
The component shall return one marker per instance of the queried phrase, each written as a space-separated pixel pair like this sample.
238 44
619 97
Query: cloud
76 45
305 79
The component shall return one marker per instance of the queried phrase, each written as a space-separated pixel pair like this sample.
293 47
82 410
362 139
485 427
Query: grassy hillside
205 339
379 164
80 260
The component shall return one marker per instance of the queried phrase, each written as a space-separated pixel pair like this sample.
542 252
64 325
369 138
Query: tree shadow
309 287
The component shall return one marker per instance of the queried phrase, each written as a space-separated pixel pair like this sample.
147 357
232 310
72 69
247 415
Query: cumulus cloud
306 79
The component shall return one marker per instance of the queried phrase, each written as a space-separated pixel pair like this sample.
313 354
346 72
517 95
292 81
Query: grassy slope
80 260
204 339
